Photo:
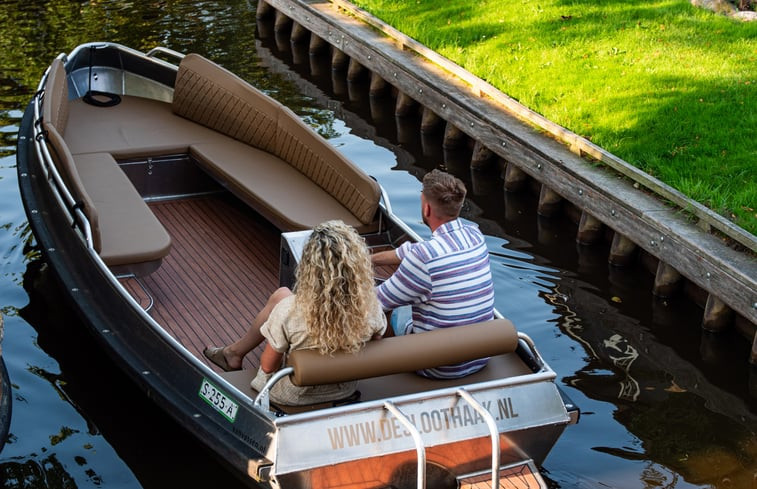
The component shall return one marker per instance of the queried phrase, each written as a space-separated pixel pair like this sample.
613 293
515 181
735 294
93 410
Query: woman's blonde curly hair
334 288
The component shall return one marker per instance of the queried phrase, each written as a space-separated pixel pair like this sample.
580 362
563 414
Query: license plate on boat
220 401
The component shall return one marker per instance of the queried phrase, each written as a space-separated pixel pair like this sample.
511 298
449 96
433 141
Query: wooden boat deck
222 267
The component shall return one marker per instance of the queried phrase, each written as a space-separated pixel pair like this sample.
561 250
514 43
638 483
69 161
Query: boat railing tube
532 349
263 400
60 190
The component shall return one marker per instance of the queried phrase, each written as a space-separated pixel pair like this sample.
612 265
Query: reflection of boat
5 394
160 194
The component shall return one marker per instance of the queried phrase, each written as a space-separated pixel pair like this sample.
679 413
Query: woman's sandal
215 355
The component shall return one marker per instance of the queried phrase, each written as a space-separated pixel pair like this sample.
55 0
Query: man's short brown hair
445 192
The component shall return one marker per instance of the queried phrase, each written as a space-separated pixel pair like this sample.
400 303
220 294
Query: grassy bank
670 88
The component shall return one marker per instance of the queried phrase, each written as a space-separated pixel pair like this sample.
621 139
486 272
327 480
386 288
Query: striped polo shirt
447 281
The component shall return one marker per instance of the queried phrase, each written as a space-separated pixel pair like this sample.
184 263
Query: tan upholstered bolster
406 353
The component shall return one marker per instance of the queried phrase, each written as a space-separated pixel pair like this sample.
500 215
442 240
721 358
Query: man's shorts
401 320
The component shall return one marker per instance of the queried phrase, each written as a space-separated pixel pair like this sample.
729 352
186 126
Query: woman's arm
270 360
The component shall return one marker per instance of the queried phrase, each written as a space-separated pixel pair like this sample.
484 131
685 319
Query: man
446 280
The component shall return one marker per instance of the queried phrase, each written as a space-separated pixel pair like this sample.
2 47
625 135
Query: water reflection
664 405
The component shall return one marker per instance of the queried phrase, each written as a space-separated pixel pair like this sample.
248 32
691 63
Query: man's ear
426 209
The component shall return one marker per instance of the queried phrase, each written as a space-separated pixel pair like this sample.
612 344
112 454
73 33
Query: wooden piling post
453 137
589 229
717 315
482 157
282 22
299 33
430 122
515 178
405 105
339 60
666 282
264 10
355 71
379 86
549 202
621 251
317 44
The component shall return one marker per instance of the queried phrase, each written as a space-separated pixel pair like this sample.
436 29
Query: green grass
670 88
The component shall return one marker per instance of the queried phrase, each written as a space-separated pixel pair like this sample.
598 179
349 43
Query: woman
333 308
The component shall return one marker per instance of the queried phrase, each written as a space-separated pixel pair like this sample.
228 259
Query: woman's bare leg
235 352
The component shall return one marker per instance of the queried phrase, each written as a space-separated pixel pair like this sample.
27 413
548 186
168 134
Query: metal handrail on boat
161 50
60 190
420 449
263 399
492 425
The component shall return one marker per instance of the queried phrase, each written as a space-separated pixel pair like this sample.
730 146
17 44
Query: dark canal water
663 404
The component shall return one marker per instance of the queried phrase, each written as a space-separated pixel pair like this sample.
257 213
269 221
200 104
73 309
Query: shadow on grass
704 137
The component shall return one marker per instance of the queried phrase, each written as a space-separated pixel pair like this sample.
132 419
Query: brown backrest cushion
216 98
314 157
406 353
55 102
64 161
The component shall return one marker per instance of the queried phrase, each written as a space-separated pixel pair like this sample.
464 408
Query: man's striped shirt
448 282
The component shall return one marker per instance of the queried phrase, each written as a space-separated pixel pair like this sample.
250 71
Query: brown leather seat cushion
405 353
130 233
135 128
286 197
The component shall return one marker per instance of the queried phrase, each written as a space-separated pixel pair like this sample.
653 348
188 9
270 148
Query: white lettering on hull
371 432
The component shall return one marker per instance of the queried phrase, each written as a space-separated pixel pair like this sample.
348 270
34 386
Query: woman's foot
217 355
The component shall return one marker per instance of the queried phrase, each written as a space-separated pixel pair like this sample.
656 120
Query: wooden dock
682 240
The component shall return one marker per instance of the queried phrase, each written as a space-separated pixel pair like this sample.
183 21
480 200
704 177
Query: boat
6 402
171 197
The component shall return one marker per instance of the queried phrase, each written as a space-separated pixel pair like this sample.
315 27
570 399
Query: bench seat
130 232
271 186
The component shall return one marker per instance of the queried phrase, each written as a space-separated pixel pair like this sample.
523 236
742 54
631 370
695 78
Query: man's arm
388 257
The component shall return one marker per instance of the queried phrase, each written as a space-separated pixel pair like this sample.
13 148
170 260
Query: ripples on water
663 405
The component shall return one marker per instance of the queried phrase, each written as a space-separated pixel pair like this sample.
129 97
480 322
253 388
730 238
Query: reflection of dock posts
485 181
753 358
589 229
406 129
338 83
300 54
430 146
380 109
515 178
456 161
482 157
549 202
666 281
621 251
717 315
